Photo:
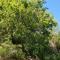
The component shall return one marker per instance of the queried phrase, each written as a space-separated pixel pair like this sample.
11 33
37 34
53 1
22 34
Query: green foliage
26 23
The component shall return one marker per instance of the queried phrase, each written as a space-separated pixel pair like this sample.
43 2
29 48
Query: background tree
28 23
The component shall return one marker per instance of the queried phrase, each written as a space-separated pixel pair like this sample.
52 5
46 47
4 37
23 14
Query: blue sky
54 7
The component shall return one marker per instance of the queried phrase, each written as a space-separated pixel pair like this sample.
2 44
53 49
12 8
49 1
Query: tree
28 23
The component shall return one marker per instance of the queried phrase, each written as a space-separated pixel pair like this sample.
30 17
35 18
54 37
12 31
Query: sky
54 7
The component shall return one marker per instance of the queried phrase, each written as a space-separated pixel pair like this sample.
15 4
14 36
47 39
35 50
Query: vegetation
26 31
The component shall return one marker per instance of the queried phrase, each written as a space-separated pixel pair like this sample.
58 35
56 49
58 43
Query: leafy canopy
26 22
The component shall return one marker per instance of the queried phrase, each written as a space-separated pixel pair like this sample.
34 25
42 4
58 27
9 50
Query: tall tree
26 22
